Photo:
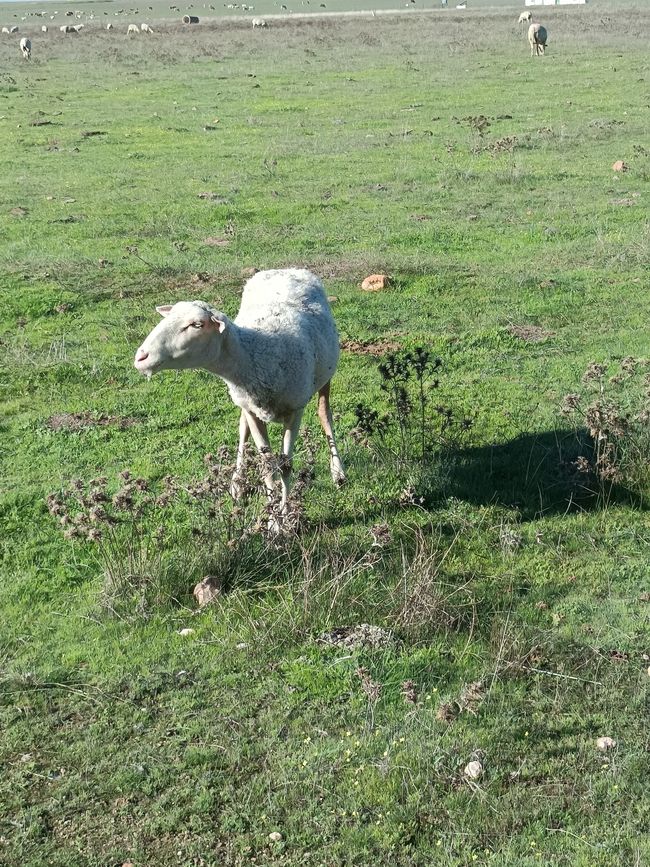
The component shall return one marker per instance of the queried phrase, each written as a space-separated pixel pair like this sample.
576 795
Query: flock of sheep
537 34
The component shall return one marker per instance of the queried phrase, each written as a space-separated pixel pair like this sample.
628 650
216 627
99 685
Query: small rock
473 770
620 166
186 631
375 283
605 744
275 837
207 590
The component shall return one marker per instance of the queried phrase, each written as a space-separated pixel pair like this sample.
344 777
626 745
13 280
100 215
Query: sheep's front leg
260 436
236 486
286 465
325 417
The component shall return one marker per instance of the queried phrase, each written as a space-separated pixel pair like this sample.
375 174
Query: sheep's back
284 290
290 333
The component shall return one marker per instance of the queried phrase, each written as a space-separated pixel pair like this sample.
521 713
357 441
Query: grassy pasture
349 146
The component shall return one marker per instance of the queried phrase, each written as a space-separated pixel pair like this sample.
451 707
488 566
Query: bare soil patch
74 421
530 333
375 348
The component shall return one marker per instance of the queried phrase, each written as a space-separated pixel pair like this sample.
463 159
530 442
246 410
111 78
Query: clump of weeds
149 537
416 429
426 600
613 406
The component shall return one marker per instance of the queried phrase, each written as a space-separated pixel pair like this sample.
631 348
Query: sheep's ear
164 310
219 322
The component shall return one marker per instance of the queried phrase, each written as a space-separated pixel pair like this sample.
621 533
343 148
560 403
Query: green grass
343 146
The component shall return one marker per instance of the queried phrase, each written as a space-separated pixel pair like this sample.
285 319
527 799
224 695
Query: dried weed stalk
424 601
614 407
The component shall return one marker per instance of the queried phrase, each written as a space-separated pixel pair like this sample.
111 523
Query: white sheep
525 16
537 37
109 26
43 28
280 350
132 28
5 30
77 28
13 29
259 22
145 28
26 47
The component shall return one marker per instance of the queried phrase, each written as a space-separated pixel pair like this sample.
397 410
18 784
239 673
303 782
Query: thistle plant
416 428
614 408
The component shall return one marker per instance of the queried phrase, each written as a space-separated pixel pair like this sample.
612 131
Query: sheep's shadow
534 473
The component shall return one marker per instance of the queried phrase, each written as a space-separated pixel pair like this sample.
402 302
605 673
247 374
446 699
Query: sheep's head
185 338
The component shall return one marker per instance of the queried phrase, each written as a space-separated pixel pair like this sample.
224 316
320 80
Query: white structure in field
555 2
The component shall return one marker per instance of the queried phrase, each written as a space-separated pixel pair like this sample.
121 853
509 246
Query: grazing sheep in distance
132 28
13 29
145 28
109 26
26 47
280 350
5 30
43 28
259 22
525 16
537 37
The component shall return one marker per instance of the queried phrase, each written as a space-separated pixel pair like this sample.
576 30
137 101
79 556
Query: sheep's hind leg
236 486
325 417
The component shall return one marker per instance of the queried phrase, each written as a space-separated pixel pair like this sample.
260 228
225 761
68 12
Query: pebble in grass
275 837
605 744
473 770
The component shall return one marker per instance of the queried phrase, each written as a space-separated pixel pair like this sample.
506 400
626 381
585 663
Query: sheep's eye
197 324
